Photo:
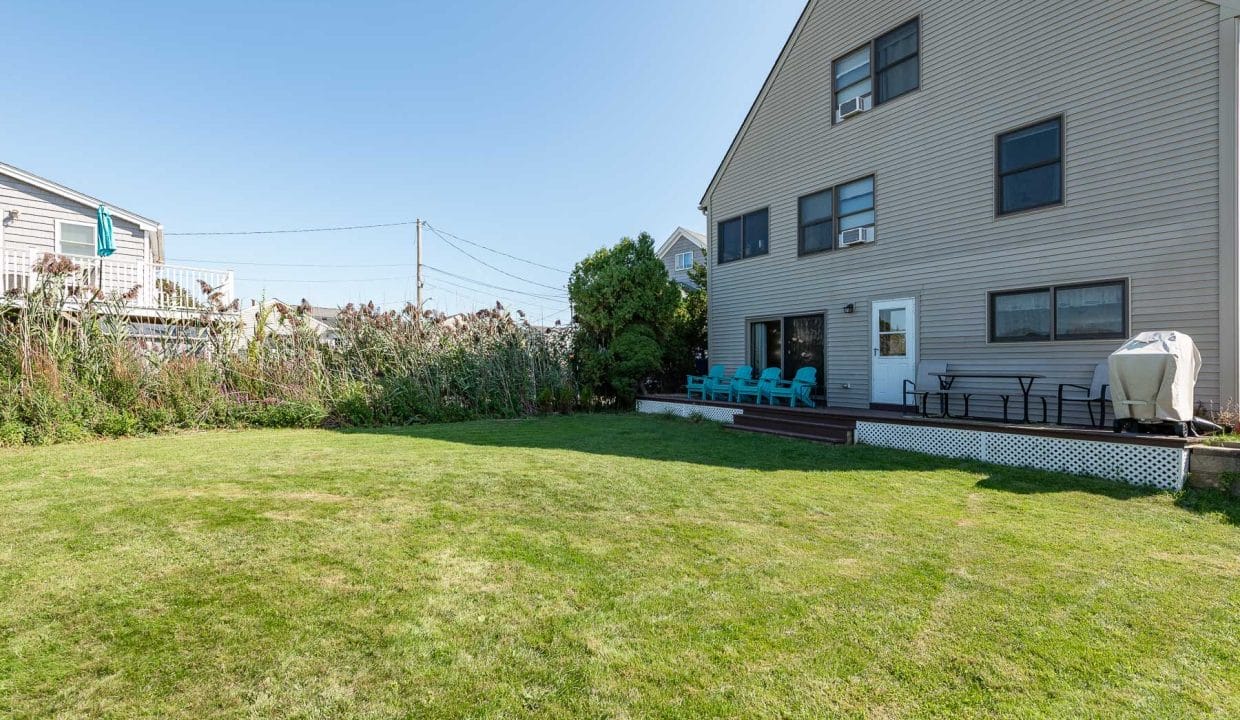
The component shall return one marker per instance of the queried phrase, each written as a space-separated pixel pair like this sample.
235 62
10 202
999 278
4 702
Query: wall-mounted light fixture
849 309
12 215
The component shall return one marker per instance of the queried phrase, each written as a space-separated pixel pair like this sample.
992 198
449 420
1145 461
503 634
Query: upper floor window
75 238
1029 167
882 70
744 236
897 66
684 260
816 227
824 215
852 78
855 204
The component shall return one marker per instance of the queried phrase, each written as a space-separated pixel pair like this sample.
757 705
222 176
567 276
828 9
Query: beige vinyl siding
40 210
1137 85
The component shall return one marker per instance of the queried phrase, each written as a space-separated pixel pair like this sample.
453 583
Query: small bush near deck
69 369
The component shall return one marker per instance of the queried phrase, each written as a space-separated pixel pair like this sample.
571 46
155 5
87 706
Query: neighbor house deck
142 288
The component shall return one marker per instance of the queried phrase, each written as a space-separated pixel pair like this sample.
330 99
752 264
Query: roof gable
44 184
757 103
696 238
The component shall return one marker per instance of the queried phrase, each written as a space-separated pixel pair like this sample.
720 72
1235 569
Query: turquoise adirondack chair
699 383
743 374
756 388
797 389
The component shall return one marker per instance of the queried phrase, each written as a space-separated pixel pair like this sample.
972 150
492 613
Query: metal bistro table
1024 378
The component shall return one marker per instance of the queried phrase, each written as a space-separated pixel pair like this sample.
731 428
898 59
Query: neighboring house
1001 185
38 217
282 319
681 251
329 316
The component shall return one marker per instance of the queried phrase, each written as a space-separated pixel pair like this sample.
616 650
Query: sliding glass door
766 345
805 345
789 343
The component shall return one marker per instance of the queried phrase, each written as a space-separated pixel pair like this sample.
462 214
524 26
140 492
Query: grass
599 566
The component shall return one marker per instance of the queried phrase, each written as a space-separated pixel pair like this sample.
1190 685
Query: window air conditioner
857 236
857 105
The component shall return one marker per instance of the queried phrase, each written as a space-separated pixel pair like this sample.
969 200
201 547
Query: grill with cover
1152 378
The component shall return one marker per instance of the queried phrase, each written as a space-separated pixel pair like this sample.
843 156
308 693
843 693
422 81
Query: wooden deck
837 424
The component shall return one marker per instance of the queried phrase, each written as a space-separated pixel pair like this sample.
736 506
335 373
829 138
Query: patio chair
798 388
928 384
1098 392
699 383
756 388
744 373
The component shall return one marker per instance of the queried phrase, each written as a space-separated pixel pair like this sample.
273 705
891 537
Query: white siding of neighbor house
39 212
682 245
1137 83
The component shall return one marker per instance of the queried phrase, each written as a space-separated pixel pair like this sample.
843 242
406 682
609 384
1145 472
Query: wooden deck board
852 415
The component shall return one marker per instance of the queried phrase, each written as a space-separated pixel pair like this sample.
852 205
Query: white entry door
893 334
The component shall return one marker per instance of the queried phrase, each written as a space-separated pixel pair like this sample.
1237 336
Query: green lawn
599 566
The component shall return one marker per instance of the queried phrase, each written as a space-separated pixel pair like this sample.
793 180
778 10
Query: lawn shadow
705 443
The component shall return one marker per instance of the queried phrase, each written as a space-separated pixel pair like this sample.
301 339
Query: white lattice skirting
710 412
1160 467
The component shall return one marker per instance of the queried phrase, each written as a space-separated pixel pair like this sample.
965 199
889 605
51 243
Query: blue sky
545 129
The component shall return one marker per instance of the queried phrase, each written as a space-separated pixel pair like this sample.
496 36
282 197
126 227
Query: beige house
40 217
1005 186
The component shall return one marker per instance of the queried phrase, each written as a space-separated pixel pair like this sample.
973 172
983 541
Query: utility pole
418 224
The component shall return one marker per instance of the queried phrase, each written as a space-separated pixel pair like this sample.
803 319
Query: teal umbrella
103 233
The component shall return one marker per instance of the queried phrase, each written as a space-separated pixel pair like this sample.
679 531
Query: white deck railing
159 286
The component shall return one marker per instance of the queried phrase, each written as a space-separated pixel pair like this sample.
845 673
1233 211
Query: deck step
784 433
824 414
798 426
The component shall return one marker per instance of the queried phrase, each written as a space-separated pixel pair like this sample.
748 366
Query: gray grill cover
1153 375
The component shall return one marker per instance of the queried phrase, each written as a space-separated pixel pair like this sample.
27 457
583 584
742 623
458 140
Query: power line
476 294
489 265
296 230
295 265
489 285
328 280
491 249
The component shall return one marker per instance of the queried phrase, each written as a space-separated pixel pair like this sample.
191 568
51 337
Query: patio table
1024 378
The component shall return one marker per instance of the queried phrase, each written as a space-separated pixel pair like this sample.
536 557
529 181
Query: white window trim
60 223
687 266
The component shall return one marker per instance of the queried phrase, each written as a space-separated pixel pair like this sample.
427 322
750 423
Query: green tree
687 340
625 309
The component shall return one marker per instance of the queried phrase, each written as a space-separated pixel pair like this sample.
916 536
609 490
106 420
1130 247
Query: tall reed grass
71 368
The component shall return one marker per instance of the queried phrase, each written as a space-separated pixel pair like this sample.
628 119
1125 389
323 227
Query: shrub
66 372
12 433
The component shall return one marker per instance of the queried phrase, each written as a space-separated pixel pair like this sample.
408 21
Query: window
75 238
1089 311
1029 167
825 214
855 204
884 69
893 332
1021 315
852 76
684 260
816 222
897 67
744 237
